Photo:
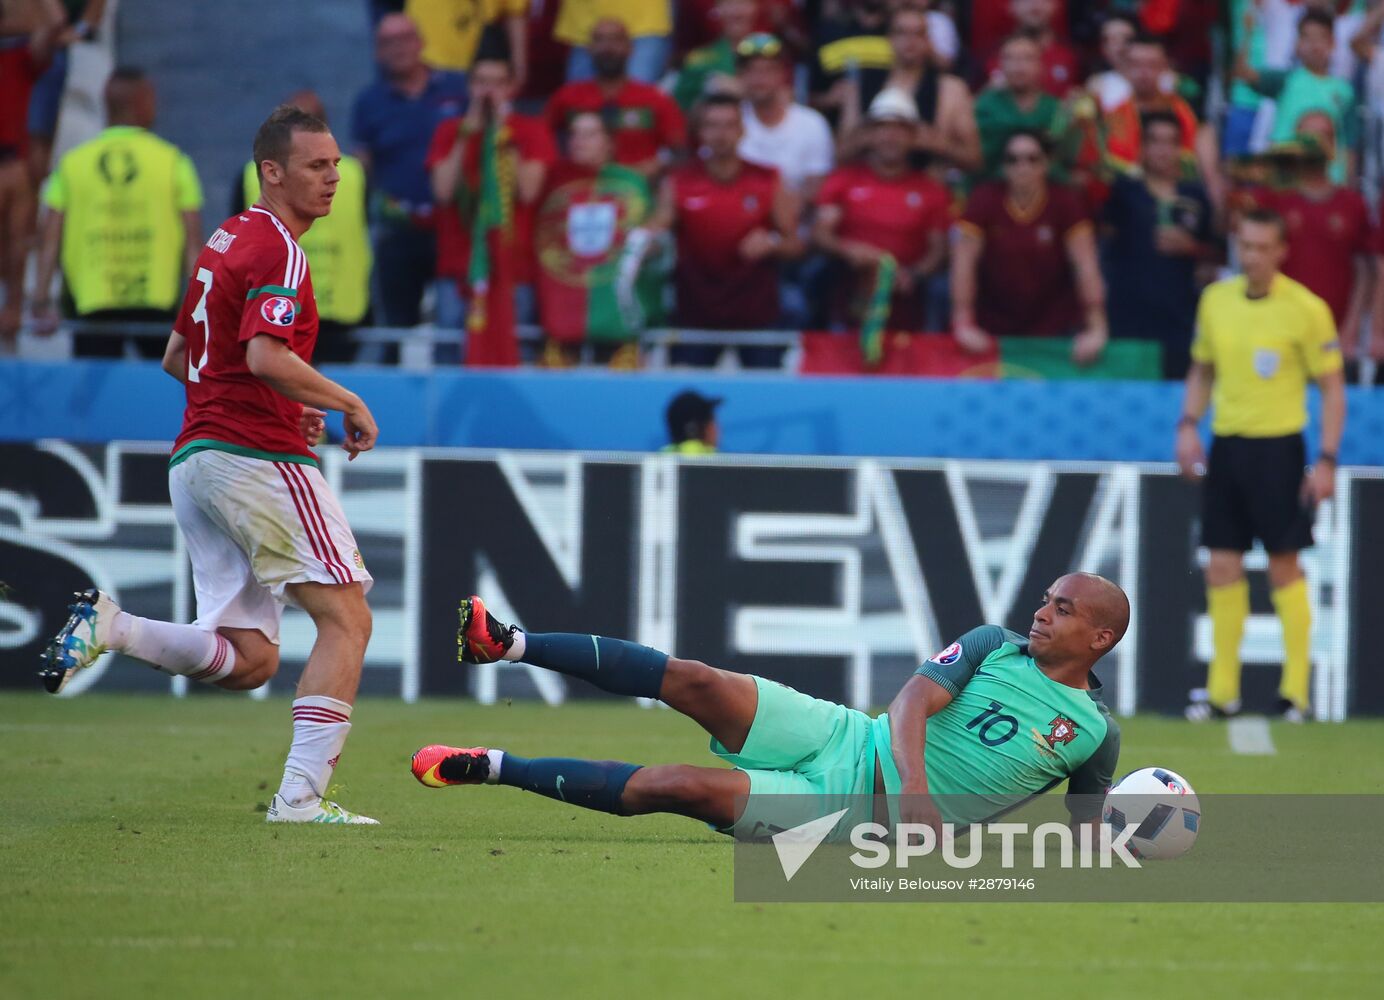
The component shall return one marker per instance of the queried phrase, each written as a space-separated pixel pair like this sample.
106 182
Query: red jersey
1324 238
523 139
250 278
896 214
1061 69
716 287
1025 283
641 118
18 71
992 23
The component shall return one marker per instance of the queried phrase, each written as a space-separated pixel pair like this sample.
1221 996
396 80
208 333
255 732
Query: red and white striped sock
196 653
320 727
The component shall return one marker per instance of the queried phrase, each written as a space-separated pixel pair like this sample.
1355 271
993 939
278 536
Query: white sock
515 653
195 653
497 757
320 727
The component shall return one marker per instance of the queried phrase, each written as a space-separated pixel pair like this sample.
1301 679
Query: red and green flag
594 282
938 355
491 338
877 311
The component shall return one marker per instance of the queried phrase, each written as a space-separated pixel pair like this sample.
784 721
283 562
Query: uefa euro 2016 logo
278 310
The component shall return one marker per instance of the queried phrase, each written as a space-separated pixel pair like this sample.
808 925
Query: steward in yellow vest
124 212
692 427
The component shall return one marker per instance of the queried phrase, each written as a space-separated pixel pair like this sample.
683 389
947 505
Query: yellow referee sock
1295 614
1228 607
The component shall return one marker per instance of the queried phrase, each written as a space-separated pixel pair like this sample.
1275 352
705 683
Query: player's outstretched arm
270 360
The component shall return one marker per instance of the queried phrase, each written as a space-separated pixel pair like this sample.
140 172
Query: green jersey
998 115
1299 91
1009 733
716 59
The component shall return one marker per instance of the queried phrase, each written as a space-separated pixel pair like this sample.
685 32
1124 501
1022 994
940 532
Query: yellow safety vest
337 246
690 447
122 195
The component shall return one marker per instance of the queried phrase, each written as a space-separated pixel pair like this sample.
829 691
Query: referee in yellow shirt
1260 338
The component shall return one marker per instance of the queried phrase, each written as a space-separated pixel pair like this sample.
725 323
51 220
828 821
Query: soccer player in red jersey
262 527
644 121
733 221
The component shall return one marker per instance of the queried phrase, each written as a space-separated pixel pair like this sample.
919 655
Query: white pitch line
1250 735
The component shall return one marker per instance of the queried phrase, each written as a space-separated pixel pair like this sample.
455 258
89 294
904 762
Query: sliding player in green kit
987 723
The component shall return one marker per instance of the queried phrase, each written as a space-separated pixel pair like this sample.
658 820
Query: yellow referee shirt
1264 351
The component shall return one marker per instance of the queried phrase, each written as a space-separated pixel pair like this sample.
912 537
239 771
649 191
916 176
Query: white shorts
252 527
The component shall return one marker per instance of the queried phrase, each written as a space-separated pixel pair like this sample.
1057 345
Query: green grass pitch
134 862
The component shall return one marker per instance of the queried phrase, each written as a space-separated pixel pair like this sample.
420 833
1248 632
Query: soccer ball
1162 807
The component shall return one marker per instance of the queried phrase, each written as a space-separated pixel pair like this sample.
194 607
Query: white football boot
321 811
81 640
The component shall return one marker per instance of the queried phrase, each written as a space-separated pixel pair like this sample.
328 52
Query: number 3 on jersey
199 315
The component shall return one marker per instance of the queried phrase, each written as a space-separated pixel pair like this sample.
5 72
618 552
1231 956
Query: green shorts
818 752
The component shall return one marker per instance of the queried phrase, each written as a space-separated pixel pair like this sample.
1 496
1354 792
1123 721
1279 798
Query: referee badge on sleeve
1265 362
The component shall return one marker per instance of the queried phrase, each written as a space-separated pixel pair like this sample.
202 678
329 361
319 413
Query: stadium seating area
1002 187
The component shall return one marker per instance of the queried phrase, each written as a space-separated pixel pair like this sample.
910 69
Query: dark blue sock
613 665
591 784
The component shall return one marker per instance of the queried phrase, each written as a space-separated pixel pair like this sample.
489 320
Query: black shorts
1253 489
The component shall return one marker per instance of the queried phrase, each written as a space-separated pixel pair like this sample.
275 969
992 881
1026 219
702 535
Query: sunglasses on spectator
1023 157
759 43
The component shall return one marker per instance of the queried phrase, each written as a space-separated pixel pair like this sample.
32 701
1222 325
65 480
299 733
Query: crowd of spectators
987 169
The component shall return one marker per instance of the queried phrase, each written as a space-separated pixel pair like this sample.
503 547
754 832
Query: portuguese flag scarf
490 321
593 280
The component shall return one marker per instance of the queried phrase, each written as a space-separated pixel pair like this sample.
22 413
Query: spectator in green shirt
1309 87
702 66
1019 102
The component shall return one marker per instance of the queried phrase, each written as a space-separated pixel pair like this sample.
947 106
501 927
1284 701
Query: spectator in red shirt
1024 260
645 122
22 60
992 21
733 221
883 207
1330 239
526 150
1061 69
